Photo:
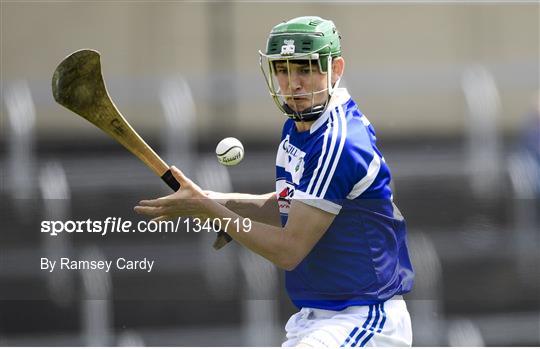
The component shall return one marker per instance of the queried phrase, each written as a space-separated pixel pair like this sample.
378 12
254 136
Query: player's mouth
293 100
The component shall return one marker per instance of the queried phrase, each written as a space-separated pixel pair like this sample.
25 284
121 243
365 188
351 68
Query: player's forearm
261 208
269 241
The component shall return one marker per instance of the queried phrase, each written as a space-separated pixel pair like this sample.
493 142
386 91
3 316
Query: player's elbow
291 250
290 259
288 264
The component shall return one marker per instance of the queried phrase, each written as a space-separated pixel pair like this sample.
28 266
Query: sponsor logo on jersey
291 159
290 149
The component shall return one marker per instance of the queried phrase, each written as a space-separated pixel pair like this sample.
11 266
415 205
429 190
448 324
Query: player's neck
303 126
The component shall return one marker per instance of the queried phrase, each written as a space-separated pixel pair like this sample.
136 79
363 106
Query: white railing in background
481 127
21 115
56 196
96 311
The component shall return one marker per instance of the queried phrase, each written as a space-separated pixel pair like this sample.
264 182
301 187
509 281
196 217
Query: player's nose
295 82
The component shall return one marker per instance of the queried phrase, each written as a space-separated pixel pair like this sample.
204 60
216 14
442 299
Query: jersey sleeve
339 169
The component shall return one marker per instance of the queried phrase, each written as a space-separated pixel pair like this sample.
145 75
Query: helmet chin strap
309 114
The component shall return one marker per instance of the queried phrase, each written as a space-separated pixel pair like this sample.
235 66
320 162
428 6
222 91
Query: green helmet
312 39
304 35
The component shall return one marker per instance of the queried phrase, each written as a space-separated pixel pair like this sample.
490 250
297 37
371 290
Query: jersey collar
339 97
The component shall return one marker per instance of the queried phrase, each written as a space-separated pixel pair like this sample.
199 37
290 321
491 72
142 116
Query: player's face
302 84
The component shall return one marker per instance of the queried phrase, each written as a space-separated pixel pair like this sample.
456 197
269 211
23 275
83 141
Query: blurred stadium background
452 90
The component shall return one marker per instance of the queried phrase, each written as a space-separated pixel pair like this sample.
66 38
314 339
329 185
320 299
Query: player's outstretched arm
285 247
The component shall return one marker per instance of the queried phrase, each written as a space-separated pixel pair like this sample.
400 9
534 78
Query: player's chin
299 104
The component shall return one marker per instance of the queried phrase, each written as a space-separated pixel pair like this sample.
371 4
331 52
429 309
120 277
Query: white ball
230 151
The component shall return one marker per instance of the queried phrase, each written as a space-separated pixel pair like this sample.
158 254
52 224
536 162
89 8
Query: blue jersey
335 166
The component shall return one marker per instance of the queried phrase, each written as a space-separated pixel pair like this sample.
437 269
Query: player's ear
338 67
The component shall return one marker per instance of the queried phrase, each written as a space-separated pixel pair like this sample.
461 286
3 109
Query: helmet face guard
311 41
285 101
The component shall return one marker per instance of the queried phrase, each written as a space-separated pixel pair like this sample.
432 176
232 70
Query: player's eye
306 70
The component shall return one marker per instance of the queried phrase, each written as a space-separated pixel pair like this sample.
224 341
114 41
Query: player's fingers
162 218
149 211
160 202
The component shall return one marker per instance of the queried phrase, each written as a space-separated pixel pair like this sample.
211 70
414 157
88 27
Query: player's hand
189 201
